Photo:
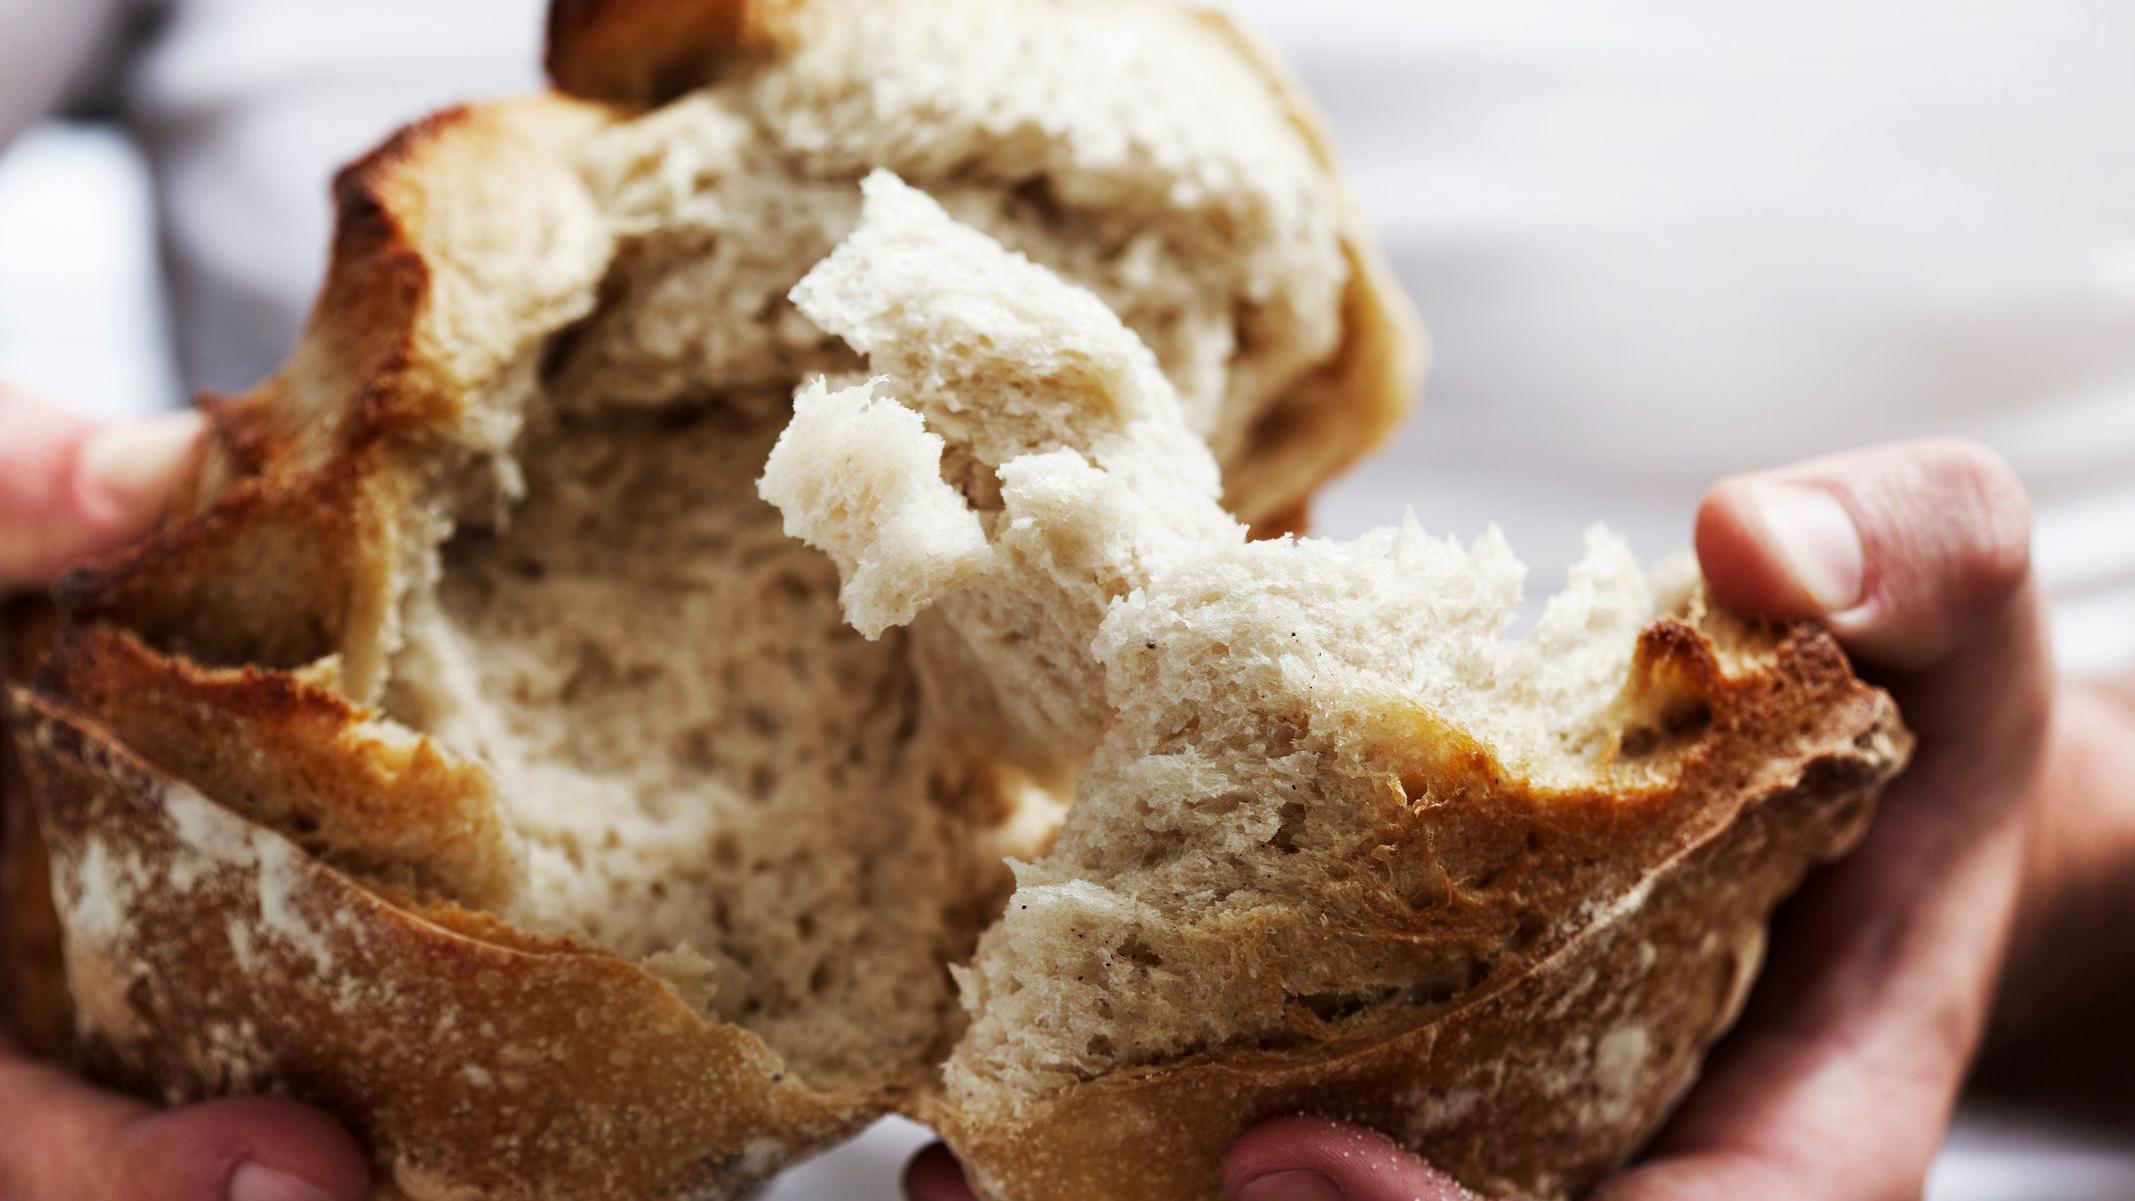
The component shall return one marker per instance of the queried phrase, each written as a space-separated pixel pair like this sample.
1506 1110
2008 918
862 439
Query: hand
70 488
1840 1082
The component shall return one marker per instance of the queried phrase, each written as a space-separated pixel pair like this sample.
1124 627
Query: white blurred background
81 293
1656 240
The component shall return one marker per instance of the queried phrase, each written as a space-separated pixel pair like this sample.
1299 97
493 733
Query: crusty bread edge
644 52
293 538
1354 401
209 955
1490 1089
35 1015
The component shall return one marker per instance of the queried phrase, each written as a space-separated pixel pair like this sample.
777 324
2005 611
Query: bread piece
1340 844
473 755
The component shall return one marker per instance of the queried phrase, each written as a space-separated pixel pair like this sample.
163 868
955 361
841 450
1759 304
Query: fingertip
1286 1159
1730 552
1275 1145
1992 561
203 1151
1773 546
126 471
72 488
934 1175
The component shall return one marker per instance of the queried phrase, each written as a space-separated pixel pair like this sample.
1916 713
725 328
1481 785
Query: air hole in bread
1638 741
1677 723
1528 929
1685 720
1289 821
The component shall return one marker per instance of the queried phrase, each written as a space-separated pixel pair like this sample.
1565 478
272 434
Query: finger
1918 556
71 488
67 1141
934 1175
1312 1159
1904 550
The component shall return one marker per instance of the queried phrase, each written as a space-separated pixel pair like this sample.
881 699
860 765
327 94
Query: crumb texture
1128 146
708 770
1270 726
702 766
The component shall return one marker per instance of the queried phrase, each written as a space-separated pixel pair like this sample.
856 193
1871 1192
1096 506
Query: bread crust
1354 401
364 798
208 955
1543 1079
646 51
201 992
35 1015
293 523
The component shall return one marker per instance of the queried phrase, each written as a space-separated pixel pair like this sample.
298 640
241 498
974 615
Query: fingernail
132 466
1816 536
1290 1186
256 1182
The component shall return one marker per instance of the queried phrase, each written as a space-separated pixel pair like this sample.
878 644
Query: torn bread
478 757
1337 844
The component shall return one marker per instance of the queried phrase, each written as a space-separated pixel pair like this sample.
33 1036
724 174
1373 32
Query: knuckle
1991 552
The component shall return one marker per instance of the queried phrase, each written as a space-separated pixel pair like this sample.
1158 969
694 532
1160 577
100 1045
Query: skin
1999 865
1839 1084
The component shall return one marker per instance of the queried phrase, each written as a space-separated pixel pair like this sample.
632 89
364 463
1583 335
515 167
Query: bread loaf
475 754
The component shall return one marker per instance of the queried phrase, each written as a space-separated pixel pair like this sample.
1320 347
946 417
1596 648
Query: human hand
70 488
1840 1082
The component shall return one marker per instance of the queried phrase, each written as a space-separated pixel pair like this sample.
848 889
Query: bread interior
704 767
708 772
1288 830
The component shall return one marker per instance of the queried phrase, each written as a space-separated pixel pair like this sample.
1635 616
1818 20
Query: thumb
1906 551
67 1141
71 488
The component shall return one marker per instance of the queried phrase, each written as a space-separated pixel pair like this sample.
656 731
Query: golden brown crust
1352 403
339 991
645 51
1556 1067
211 956
432 296
297 759
34 1013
